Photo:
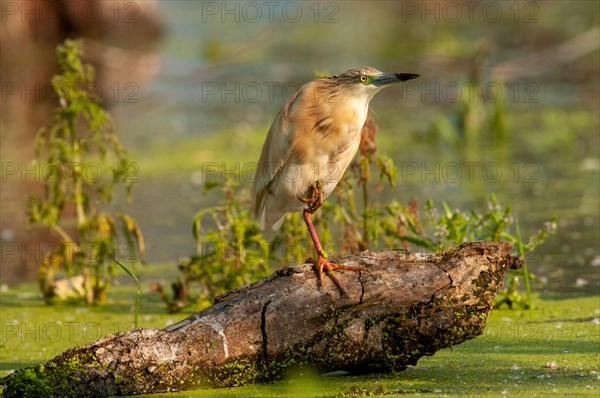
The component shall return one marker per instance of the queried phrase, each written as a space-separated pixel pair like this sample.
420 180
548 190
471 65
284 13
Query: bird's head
368 81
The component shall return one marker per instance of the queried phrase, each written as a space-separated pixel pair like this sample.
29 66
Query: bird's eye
363 78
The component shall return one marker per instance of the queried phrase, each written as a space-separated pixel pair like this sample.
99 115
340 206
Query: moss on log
403 307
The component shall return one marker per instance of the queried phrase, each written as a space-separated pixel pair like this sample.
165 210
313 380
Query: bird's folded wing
275 153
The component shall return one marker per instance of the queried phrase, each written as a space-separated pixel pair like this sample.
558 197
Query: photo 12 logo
78 10
90 172
85 252
117 92
470 92
437 11
13 332
247 92
269 11
469 172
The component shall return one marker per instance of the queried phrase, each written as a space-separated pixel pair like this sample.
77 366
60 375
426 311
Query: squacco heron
310 144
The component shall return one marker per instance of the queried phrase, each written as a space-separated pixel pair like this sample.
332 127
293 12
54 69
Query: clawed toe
324 266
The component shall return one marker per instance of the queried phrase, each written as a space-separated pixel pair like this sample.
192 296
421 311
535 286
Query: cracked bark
263 330
404 306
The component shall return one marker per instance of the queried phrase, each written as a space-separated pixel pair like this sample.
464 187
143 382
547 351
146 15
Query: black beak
389 78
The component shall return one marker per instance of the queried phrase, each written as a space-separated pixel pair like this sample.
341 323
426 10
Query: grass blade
137 297
525 271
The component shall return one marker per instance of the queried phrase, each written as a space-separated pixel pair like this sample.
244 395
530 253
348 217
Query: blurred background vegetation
507 103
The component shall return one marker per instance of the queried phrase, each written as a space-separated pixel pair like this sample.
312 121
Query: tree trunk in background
404 306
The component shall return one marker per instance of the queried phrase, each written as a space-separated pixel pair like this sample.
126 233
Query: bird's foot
323 265
314 197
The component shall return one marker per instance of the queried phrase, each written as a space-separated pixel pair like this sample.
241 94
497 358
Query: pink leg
322 263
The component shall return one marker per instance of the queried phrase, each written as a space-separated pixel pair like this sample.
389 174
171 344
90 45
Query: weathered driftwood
405 306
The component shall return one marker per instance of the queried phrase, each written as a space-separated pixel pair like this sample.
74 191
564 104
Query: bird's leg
314 201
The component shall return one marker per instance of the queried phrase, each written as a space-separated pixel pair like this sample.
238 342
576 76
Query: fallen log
404 306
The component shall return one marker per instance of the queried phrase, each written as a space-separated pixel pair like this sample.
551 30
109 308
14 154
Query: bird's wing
275 153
